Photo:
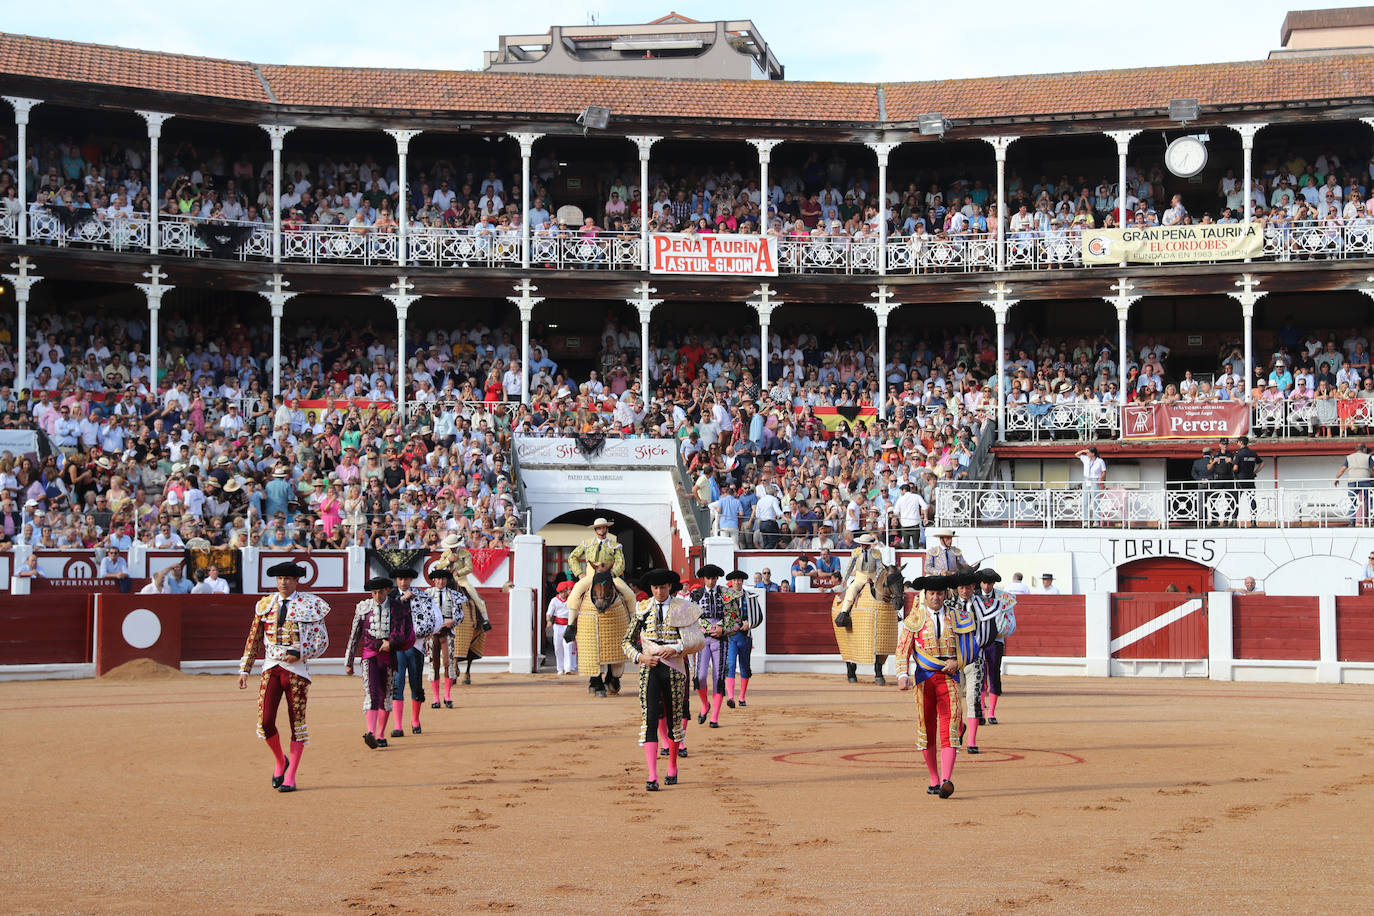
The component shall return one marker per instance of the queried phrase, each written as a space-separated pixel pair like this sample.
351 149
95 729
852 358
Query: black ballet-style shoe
663 752
381 742
742 703
982 720
397 733
278 780
434 705
670 780
370 740
448 704
651 786
701 719
730 702
286 788
415 729
946 788
973 749
715 725
932 790
681 752
992 720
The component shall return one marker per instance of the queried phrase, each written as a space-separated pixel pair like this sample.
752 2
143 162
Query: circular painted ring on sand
908 758
141 628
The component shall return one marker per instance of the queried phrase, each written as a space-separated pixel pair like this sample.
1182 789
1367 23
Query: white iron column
525 302
153 291
1123 301
883 149
23 282
1123 146
883 307
155 121
1247 297
1000 306
22 107
276 133
276 297
765 148
764 304
999 146
645 305
402 138
526 142
645 144
402 299
1247 142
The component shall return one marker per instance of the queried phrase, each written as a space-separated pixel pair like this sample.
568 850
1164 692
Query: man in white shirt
212 584
1017 585
1047 586
1094 472
910 509
766 512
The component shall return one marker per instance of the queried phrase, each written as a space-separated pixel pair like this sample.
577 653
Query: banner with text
636 452
1173 244
721 255
1210 420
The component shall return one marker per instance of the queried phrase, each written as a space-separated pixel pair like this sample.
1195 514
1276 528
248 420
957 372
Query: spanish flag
832 417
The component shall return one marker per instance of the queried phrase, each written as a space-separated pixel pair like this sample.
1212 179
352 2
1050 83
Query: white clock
1186 156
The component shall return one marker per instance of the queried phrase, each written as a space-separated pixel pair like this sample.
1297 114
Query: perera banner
1206 420
723 255
1172 244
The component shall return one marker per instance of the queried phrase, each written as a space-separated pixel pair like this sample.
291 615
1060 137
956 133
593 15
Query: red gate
1160 626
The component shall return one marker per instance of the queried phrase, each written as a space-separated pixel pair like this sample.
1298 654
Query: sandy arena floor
1093 795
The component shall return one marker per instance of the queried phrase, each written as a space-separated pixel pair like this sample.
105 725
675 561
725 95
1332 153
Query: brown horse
869 631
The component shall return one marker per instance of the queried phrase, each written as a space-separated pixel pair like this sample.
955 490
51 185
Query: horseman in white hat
864 562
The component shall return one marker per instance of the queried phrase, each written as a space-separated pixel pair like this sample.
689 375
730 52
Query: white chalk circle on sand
141 628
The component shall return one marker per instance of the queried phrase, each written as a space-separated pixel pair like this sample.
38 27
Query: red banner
486 559
729 255
1207 420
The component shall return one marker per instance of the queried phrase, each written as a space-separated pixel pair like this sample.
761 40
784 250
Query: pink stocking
716 700
398 711
415 713
382 715
683 743
371 716
448 689
971 739
704 702
743 687
274 745
947 762
672 759
651 759
929 754
730 687
434 690
297 748
992 704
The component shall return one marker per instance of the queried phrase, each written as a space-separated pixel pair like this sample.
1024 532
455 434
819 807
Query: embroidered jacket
301 631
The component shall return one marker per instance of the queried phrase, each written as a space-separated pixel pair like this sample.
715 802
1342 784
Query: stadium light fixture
1183 110
594 117
933 124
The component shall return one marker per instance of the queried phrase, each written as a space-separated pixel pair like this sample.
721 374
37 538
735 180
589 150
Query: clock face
1186 156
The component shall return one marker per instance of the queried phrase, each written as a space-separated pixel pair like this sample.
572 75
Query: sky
854 40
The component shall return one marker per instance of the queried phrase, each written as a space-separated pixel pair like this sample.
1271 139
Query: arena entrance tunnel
565 532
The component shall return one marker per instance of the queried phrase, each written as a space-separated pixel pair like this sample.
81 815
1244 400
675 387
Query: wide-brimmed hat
710 571
104 462
932 583
288 568
378 583
441 573
405 572
735 575
1049 576
233 485
602 522
942 533
865 539
451 541
279 471
988 575
222 460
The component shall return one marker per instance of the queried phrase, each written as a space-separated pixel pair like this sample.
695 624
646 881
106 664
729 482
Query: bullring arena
972 478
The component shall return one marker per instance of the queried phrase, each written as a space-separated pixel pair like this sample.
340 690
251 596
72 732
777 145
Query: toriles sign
1208 420
1173 244
1199 550
723 255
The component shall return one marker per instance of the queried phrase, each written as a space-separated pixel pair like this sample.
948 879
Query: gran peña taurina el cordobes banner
1173 244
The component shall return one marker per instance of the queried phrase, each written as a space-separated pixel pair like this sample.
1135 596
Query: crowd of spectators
1303 197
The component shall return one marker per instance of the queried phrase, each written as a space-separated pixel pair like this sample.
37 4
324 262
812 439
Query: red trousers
939 712
275 683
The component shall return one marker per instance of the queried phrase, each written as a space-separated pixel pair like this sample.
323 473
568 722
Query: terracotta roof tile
1265 81
48 58
1291 79
469 91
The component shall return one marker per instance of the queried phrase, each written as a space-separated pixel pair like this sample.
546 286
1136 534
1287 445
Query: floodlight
594 117
1184 110
932 125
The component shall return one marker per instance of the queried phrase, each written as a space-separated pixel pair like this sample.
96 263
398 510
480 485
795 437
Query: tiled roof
1264 81
474 93
48 58
1350 17
468 91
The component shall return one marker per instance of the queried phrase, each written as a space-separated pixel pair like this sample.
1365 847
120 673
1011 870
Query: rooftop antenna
593 17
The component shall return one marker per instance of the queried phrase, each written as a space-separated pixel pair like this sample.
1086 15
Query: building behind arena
214 206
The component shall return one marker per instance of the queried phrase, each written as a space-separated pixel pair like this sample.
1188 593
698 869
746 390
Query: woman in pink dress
331 510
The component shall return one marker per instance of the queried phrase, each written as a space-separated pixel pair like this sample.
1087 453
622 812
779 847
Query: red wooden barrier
1049 625
129 627
1183 638
50 629
1355 629
799 623
1275 627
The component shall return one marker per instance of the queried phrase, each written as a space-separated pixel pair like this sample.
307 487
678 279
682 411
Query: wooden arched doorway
1156 574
